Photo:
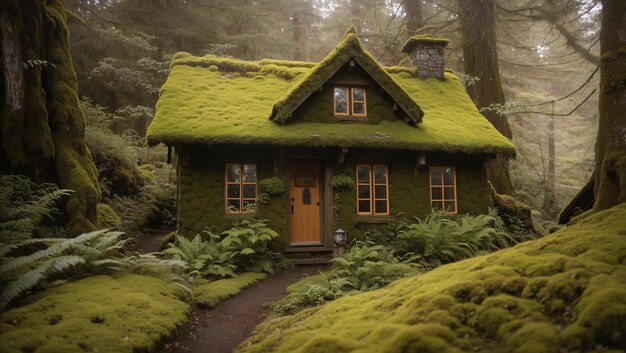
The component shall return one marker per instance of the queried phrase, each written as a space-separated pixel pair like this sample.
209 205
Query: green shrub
342 182
269 187
28 210
247 241
206 258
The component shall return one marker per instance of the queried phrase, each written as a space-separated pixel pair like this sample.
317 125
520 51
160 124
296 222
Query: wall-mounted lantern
340 237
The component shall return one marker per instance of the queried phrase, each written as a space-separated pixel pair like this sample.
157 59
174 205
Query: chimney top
423 40
426 54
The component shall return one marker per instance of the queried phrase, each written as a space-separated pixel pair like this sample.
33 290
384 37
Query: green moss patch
563 292
231 105
122 313
208 295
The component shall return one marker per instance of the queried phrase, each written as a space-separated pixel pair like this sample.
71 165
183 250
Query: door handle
318 203
291 208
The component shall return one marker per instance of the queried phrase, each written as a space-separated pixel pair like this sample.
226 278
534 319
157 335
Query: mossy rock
563 292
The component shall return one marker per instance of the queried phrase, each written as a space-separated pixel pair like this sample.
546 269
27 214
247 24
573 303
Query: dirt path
221 329
152 241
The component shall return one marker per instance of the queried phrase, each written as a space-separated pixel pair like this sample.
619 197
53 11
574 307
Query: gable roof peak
350 48
351 30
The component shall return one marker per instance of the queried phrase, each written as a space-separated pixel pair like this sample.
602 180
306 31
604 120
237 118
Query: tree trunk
414 18
549 199
610 169
41 124
480 58
300 37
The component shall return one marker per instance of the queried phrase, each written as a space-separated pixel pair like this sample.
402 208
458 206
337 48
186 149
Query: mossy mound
107 217
563 292
123 313
208 295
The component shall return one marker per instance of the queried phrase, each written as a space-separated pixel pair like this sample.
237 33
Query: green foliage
28 210
122 313
247 242
269 187
89 252
36 62
562 292
206 258
107 217
342 182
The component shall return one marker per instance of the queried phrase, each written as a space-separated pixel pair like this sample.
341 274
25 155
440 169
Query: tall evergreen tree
41 124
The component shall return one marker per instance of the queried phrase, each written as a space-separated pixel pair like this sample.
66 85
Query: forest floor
221 329
153 240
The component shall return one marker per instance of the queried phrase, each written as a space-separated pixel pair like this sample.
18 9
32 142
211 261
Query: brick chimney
426 54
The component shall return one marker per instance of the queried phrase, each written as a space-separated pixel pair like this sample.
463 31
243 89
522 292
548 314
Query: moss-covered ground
207 295
562 293
122 313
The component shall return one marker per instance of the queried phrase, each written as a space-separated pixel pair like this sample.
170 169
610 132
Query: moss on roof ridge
349 48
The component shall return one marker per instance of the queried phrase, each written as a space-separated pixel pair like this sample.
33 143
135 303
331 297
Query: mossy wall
201 189
319 107
409 194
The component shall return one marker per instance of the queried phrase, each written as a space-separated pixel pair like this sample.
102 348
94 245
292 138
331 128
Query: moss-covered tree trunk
610 169
480 59
41 124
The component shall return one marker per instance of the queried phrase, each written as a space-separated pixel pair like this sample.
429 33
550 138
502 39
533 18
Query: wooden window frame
372 186
241 183
443 185
350 102
347 89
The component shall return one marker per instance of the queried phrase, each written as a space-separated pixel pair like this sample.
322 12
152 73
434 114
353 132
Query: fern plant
26 206
204 258
247 243
88 252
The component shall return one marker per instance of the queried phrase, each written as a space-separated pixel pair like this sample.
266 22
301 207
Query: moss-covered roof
212 100
350 48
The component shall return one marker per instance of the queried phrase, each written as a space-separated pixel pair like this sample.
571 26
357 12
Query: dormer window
350 102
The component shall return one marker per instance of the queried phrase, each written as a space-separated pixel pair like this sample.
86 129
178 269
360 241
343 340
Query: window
240 188
443 188
350 101
372 190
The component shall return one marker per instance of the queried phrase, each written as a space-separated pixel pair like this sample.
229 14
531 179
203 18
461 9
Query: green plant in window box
269 187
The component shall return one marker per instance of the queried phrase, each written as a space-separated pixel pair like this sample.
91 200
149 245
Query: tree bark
480 59
41 124
610 168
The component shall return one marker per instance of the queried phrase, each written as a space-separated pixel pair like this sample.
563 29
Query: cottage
343 143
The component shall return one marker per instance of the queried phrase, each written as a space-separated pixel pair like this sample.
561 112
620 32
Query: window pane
364 174
437 205
233 191
249 191
381 206
448 193
364 191
234 172
249 172
364 206
380 192
233 205
436 194
435 176
448 176
358 94
450 206
341 100
358 108
249 205
380 175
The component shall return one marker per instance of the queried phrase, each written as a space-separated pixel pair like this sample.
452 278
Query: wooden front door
304 207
